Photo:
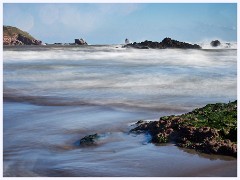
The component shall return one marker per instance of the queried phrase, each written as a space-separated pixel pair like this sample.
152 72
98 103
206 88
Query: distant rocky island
76 42
166 43
14 36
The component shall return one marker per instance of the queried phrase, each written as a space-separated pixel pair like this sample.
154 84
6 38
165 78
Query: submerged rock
88 140
211 129
166 43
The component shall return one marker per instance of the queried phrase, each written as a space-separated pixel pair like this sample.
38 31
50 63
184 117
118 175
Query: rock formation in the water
166 43
215 43
15 36
211 129
80 42
88 140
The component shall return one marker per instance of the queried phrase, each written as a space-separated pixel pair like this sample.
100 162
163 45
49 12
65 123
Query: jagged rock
80 42
88 140
28 41
195 130
215 43
166 43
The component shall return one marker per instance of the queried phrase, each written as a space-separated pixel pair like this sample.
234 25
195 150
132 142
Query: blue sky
112 23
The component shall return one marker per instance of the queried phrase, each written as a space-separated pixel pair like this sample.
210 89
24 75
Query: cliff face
15 36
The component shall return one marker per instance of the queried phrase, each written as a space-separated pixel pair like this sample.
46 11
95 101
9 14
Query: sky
106 23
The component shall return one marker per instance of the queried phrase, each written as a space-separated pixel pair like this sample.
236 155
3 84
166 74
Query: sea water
55 95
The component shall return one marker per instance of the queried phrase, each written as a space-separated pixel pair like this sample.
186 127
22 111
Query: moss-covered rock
211 129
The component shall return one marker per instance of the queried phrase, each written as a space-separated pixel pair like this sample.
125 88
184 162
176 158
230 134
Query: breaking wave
107 75
223 45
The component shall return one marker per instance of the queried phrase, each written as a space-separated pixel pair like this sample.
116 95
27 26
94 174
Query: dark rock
140 122
80 42
223 147
215 43
58 43
166 43
187 131
28 41
88 140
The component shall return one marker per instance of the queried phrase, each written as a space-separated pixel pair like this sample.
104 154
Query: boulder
80 42
88 140
215 43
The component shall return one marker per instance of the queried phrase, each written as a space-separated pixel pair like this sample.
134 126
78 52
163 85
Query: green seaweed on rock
220 116
210 129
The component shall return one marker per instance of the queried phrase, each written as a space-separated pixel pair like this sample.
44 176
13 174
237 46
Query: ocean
55 95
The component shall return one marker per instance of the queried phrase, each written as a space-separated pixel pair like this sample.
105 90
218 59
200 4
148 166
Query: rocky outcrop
28 41
211 129
166 43
215 43
80 42
15 36
88 140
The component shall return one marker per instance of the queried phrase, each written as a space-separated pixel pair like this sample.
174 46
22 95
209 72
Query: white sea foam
206 44
119 76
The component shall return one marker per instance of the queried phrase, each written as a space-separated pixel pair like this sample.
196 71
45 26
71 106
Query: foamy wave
223 45
106 75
